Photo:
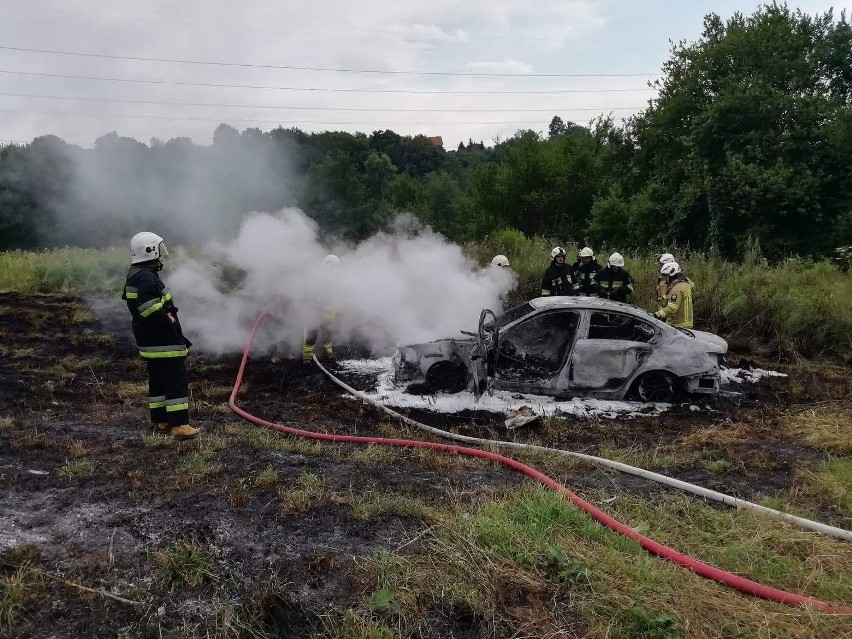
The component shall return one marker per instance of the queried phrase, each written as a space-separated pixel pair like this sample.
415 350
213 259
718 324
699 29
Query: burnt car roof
588 303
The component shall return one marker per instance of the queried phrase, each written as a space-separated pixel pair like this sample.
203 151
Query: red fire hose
705 570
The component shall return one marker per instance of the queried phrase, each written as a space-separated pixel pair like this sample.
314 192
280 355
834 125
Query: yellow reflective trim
151 309
166 297
545 292
176 407
131 296
160 354
156 404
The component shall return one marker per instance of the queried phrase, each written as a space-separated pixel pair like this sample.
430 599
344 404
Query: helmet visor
161 248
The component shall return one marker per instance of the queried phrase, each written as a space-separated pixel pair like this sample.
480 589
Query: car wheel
446 377
656 386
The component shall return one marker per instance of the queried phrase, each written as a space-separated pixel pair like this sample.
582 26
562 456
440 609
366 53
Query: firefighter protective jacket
584 278
557 280
614 285
150 305
662 289
678 304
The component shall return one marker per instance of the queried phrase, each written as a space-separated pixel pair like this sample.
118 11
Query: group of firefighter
587 278
162 345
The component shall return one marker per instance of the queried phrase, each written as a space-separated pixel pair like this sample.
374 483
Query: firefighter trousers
321 335
168 390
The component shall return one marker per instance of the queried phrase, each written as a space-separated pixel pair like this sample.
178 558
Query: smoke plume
403 286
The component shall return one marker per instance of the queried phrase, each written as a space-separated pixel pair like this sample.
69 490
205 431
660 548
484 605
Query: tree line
749 142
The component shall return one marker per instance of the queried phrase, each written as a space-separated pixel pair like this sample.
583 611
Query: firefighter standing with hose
159 336
322 332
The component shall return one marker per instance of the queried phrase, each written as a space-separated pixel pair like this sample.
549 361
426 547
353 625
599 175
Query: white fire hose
706 493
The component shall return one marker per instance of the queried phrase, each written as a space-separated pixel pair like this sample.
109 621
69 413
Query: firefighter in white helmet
558 278
159 336
665 258
322 332
677 308
614 282
500 261
662 285
584 271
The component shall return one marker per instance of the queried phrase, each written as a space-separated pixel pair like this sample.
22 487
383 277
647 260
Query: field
108 530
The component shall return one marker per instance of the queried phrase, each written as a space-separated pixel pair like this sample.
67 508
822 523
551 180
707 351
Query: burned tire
446 377
657 387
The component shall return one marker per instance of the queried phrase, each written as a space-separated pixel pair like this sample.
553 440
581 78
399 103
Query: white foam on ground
388 394
750 375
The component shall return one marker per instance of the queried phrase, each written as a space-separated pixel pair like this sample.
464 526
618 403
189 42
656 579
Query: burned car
568 347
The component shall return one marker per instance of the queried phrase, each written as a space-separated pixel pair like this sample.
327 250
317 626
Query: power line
31 141
435 123
311 108
319 89
278 27
331 69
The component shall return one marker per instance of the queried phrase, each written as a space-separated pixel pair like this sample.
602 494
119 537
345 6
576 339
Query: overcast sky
572 58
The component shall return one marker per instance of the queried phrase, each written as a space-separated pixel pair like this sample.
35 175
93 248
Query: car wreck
568 347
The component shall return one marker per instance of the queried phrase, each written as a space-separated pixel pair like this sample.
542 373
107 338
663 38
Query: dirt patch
91 500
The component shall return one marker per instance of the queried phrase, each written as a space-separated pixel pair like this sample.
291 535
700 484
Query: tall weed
798 306
67 270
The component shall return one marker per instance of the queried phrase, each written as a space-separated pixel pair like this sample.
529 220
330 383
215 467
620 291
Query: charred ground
250 532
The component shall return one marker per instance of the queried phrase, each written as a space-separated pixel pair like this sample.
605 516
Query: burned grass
107 529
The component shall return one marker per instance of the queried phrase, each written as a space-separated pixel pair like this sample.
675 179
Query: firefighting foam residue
402 286
751 375
388 393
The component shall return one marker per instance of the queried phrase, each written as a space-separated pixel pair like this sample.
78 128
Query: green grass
154 441
184 565
65 270
76 469
199 464
267 477
530 550
797 306
718 466
16 589
831 484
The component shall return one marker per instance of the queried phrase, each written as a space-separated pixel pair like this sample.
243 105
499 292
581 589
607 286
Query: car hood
712 343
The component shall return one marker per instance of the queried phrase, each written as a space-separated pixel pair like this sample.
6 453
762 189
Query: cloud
442 35
505 66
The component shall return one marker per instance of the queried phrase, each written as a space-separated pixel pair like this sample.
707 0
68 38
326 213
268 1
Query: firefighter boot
307 353
328 351
184 431
162 427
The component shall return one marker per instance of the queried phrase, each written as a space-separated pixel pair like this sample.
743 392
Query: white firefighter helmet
500 260
557 251
331 260
147 246
586 251
665 258
616 260
671 269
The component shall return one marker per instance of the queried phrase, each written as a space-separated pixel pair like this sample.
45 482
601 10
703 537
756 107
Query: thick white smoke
397 287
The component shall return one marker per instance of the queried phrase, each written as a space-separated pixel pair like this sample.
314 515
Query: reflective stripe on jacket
678 309
557 280
150 305
584 278
614 285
